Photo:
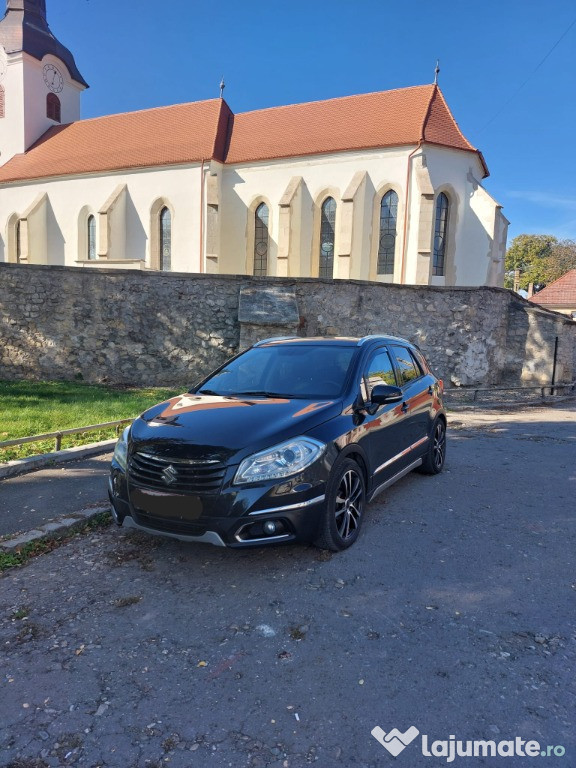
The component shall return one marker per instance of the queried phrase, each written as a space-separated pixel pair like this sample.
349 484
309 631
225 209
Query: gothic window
165 221
2 102
387 241
91 242
440 235
261 240
53 107
327 237
18 241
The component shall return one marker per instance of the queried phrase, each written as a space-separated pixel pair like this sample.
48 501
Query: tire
433 461
345 506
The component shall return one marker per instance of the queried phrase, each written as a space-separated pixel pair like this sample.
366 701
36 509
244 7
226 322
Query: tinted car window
306 371
380 371
421 360
408 367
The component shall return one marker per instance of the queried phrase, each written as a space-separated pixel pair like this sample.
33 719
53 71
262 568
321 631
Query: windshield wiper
262 393
207 392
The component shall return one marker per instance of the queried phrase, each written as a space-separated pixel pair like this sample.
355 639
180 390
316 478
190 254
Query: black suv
287 441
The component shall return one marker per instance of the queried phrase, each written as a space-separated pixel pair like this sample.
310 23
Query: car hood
225 429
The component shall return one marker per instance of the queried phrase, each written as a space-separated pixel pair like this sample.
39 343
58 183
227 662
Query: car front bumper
234 517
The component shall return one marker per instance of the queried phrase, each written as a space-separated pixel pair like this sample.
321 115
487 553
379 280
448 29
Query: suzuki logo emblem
169 475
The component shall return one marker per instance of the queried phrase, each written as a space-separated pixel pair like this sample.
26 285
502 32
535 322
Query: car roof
341 341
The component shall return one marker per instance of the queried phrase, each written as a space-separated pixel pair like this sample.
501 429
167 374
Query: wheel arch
356 453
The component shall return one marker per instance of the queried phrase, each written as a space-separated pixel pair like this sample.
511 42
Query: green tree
561 259
530 254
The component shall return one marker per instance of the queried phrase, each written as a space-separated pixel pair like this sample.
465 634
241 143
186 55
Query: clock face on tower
53 78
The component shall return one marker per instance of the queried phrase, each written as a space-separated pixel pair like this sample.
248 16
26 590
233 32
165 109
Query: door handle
405 407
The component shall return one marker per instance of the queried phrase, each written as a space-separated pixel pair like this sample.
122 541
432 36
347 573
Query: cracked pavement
454 612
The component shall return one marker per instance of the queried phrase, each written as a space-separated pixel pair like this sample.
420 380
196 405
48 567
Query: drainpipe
202 217
406 198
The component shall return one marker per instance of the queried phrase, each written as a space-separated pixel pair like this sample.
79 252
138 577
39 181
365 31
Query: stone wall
128 327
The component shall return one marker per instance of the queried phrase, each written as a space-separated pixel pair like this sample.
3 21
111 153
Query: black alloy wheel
345 505
433 462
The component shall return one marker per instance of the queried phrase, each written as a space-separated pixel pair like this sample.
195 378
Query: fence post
58 441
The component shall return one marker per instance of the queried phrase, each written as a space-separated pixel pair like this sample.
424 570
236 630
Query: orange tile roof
163 136
560 293
204 130
367 121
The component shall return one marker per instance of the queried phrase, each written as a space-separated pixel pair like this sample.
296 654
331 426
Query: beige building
380 186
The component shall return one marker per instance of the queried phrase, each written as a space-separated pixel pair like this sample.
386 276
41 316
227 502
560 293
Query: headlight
121 449
281 461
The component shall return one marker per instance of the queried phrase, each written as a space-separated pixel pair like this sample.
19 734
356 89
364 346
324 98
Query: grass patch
41 546
36 407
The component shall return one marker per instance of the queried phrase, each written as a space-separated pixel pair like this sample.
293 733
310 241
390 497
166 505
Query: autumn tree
530 254
562 259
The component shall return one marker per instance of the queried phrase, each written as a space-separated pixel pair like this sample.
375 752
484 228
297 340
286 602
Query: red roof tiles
164 136
368 121
188 133
560 293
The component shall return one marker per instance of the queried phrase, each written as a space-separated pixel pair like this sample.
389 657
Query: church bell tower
40 84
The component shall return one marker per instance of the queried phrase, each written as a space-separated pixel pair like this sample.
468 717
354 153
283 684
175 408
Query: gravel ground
454 613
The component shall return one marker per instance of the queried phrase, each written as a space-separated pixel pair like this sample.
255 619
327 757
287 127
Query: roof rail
373 336
275 338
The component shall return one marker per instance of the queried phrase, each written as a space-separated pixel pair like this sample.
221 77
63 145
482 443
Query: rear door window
408 367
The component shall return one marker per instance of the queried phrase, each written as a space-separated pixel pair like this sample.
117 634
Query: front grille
175 476
167 525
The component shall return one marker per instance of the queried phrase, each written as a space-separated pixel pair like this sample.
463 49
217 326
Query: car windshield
310 371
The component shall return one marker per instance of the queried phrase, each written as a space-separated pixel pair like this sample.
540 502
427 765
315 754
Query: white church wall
36 119
25 118
67 198
12 124
323 173
469 230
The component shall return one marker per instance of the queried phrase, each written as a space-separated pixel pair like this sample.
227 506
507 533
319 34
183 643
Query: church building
379 186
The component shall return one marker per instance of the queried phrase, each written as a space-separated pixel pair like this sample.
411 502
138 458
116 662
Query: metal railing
57 436
542 389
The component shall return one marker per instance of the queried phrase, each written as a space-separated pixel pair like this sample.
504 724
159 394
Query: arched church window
261 239
18 241
387 241
327 237
440 234
91 241
165 221
53 111
2 102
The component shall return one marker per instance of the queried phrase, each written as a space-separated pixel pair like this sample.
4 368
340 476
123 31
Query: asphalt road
29 500
453 614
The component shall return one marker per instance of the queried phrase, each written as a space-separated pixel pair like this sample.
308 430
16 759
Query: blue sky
144 53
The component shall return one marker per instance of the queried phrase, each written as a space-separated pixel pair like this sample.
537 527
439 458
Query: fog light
270 527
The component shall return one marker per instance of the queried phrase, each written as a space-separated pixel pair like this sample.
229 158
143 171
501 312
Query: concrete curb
53 530
43 460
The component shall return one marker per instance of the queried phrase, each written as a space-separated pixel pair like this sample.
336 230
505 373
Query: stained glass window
18 241
440 234
387 241
261 240
165 240
327 237
91 226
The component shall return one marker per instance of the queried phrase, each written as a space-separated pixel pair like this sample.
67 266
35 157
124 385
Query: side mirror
383 393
